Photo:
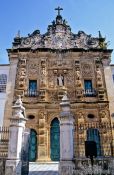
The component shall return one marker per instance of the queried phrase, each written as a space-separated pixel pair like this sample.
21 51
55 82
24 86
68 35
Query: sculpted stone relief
99 77
58 36
43 73
42 114
69 79
51 81
59 40
30 100
78 78
53 96
104 115
71 94
80 116
87 70
21 74
60 63
78 81
32 68
58 73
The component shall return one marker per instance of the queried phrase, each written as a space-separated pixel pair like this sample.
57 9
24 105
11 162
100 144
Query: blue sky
29 15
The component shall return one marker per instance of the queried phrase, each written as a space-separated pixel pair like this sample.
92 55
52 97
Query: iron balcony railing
31 93
90 93
35 93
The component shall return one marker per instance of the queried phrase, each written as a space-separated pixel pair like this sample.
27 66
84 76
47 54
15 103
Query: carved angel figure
78 75
99 74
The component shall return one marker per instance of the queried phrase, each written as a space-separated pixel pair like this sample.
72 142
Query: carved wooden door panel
55 140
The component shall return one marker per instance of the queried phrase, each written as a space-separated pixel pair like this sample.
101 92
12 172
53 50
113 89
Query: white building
4 72
112 70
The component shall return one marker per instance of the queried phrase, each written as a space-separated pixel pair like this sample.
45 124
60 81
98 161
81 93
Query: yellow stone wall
75 67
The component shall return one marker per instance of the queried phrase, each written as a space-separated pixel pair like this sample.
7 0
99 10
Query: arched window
3 82
93 135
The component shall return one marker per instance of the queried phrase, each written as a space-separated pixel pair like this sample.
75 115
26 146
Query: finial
100 36
18 34
58 9
102 43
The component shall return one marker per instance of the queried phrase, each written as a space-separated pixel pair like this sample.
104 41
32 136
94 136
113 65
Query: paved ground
43 169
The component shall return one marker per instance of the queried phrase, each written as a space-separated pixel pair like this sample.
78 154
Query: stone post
17 126
66 165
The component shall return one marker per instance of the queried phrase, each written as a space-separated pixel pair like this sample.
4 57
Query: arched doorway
55 140
93 135
33 146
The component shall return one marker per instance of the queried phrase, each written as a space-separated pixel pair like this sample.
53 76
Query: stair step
46 168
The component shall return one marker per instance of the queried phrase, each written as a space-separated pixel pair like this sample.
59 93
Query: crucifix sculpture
58 9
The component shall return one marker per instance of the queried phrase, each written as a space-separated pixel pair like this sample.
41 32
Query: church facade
45 66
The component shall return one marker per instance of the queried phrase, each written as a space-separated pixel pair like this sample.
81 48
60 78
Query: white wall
4 69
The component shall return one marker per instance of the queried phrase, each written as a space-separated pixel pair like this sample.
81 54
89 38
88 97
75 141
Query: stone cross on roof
58 9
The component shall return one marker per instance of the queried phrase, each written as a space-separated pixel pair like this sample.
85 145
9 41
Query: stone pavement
43 168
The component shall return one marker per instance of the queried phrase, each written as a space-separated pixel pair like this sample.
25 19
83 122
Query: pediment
58 36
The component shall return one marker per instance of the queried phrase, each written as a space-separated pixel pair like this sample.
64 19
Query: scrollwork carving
58 36
87 70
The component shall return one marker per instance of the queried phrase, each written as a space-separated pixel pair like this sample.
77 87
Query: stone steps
46 168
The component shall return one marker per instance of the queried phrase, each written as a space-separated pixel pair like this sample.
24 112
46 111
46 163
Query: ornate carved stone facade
60 61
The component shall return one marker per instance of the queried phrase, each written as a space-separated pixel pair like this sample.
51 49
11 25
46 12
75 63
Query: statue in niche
60 80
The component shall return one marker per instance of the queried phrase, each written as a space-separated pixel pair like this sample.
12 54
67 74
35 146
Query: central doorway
55 140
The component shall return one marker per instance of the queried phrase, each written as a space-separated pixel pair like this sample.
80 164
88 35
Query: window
32 85
88 84
89 91
32 88
3 82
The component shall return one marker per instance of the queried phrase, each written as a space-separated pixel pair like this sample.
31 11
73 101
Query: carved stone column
17 126
48 143
66 165
42 141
